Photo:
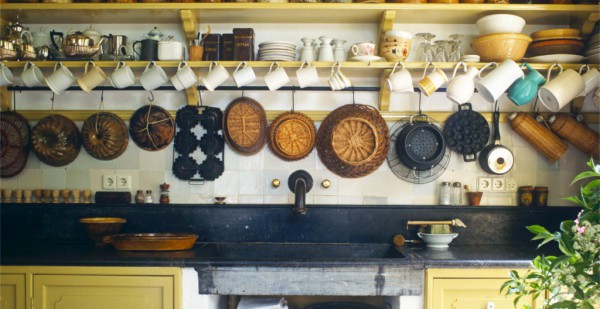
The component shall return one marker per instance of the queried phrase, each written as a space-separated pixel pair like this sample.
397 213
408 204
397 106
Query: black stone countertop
207 255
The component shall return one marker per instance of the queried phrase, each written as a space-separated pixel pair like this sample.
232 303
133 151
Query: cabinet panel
12 291
100 292
471 293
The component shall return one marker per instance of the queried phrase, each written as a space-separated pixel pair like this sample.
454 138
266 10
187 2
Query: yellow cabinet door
102 292
12 291
471 294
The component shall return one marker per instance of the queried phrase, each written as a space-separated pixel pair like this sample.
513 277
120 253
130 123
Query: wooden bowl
558 46
501 46
555 33
100 227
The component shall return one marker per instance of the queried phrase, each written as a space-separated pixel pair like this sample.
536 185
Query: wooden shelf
156 13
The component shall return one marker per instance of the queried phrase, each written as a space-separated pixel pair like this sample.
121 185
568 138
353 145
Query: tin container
525 195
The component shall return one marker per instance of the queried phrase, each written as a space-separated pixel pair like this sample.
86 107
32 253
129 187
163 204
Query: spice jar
540 196
445 193
525 196
139 197
164 193
456 197
148 198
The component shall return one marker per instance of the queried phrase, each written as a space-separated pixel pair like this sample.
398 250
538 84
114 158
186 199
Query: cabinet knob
275 183
326 183
490 305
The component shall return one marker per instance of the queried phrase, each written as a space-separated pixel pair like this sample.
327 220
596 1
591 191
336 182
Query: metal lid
445 183
155 34
457 184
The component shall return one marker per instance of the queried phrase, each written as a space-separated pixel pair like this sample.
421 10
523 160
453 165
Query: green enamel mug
524 90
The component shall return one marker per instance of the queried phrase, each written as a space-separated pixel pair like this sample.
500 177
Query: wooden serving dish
292 136
152 241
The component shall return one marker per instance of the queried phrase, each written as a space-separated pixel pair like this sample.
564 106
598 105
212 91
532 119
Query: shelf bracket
386 24
5 99
587 25
189 23
384 93
192 95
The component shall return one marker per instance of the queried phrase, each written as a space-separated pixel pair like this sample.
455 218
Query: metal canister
525 196
540 196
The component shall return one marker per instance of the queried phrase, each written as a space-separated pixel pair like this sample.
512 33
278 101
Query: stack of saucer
277 51
470 58
592 49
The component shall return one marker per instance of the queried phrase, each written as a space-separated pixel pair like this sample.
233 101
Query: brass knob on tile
326 183
275 183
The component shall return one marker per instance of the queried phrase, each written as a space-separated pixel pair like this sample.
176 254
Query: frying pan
495 158
467 132
420 145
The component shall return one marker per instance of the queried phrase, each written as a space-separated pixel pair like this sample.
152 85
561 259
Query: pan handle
470 157
465 106
496 121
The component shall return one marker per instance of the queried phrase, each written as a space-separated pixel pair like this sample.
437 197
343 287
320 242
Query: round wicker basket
292 136
15 134
105 136
353 140
245 126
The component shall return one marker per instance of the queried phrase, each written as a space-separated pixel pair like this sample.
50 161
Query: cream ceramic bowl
500 23
437 240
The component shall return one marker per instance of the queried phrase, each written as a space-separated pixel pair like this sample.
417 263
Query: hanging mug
276 78
400 81
496 82
432 82
60 79
524 90
558 92
591 78
461 88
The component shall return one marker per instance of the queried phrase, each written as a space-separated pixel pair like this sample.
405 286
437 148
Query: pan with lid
495 158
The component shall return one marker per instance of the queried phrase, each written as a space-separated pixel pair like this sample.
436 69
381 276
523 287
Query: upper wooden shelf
155 13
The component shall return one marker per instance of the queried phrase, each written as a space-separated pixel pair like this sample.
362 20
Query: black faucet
300 182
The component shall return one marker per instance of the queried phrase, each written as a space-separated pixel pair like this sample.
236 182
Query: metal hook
420 97
151 97
293 98
200 99
353 97
52 105
242 92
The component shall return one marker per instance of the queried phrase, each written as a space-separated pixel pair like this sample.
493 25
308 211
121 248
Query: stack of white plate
592 49
277 51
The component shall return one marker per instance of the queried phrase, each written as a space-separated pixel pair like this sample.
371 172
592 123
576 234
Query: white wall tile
29 179
77 178
275 199
54 178
250 199
227 184
251 183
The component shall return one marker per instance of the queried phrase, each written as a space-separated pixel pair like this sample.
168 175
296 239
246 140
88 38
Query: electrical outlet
498 184
511 185
109 182
484 184
123 182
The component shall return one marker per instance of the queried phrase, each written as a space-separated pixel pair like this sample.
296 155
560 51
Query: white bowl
500 23
437 240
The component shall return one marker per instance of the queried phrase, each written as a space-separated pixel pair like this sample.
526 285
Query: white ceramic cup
558 92
6 76
170 50
591 78
596 98
153 76
184 78
460 89
60 79
307 76
32 75
122 77
217 74
276 78
337 79
400 81
431 82
92 77
495 83
243 74
363 49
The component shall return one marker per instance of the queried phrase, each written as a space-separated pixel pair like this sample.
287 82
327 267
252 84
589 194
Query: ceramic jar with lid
540 196
525 195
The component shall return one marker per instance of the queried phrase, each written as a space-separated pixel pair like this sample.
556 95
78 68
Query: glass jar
525 195
445 193
456 197
149 199
139 197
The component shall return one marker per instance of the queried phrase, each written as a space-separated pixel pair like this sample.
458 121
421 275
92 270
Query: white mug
122 77
170 50
307 76
591 78
60 79
184 78
217 74
32 75
430 83
153 76
596 98
6 76
400 81
461 88
243 74
337 79
92 77
558 92
495 83
277 78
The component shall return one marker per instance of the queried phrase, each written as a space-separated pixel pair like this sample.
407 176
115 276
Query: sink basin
301 251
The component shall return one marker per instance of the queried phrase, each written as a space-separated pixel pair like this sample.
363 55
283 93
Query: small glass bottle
456 194
445 195
139 197
149 199
164 193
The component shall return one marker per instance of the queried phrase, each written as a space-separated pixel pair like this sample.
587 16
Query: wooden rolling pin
455 222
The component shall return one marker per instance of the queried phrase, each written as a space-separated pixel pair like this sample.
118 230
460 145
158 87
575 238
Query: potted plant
571 280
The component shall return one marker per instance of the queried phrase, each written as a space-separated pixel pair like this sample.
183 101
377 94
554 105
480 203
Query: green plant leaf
584 175
567 226
565 304
537 229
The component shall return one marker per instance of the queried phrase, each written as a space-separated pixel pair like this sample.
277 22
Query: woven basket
292 136
576 133
540 137
245 126
15 134
104 136
152 127
353 140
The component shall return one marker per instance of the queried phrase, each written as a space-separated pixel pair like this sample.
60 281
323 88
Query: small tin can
540 196
525 196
